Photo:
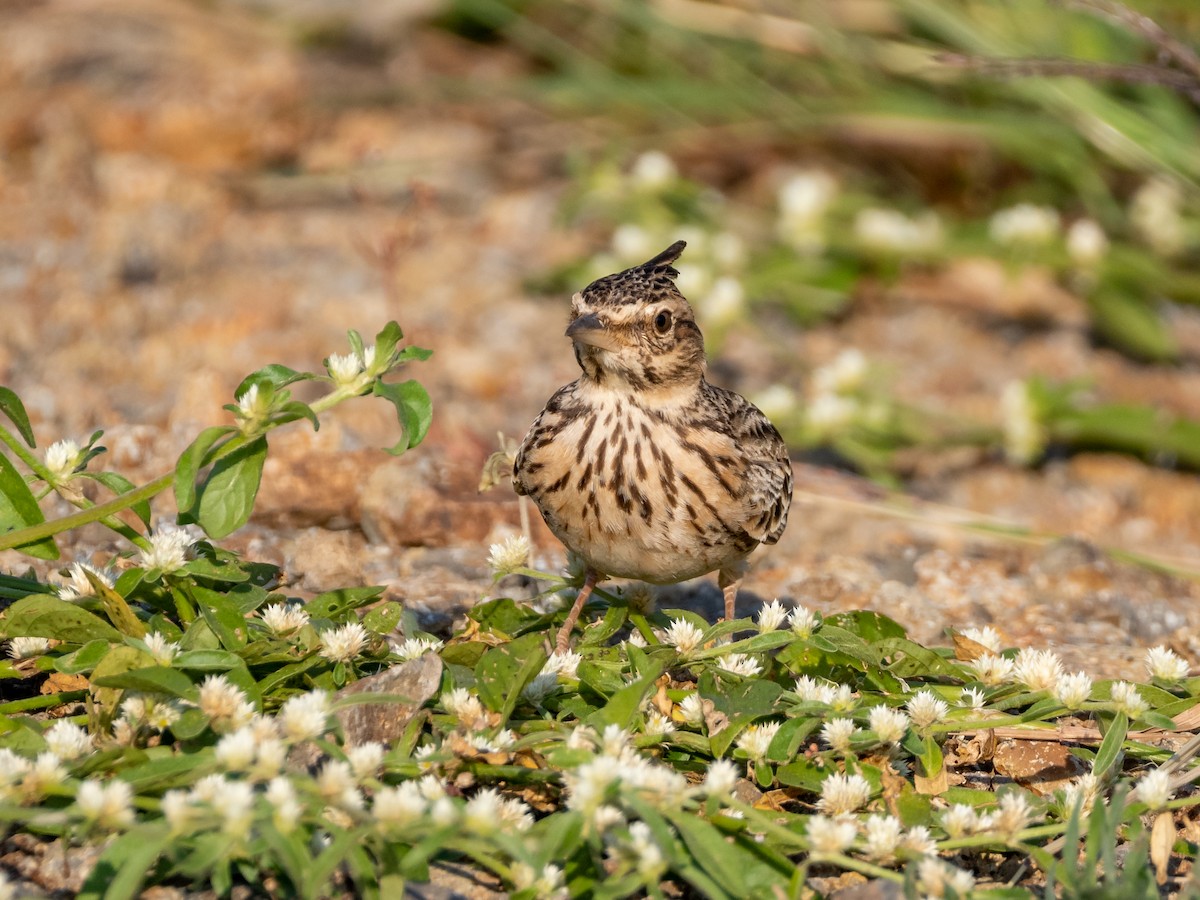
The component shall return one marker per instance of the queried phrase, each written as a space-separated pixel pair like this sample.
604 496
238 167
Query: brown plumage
641 467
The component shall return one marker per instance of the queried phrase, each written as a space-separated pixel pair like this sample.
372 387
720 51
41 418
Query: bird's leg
728 580
564 634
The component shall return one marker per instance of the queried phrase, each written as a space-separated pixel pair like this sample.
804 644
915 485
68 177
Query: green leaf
334 604
293 410
709 848
504 671
115 607
119 484
84 659
206 660
152 679
507 617
274 375
912 659
1110 746
125 863
1130 323
223 616
383 619
41 615
625 703
414 410
226 498
19 509
187 470
11 406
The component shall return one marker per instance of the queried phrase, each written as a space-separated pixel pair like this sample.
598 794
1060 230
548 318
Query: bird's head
634 330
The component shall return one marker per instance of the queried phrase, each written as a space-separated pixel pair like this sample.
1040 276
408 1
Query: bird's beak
590 331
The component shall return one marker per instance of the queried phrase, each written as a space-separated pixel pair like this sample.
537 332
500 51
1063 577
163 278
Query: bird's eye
662 322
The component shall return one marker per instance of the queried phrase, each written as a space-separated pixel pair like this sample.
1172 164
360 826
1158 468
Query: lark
642 468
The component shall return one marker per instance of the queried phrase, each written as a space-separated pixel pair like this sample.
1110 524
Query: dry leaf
1041 766
966 650
938 784
1162 839
57 681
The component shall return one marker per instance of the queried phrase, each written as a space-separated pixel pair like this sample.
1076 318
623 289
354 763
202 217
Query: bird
641 467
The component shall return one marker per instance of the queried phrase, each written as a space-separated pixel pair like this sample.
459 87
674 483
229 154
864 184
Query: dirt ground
187 194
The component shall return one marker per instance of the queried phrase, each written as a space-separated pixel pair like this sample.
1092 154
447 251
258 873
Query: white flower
972 699
837 733
960 820
305 716
829 414
1126 699
692 280
891 231
739 664
548 884
109 806
1154 789
691 708
658 725
235 751
987 636
1024 433
1024 223
721 777
756 739
395 807
482 812
1166 664
27 647
843 793
632 243
926 708
46 772
344 369
803 201
1086 243
286 808
614 739
235 803
991 668
1015 813
1083 791
812 691
169 549
465 706
934 877
269 757
565 664
540 687
830 835
417 647
337 785
803 621
177 809
725 301
224 703
1072 690
777 401
889 724
636 639
345 643
644 850
251 407
67 741
918 840
367 357
77 586
160 648
61 459
510 555
1155 215
728 250
652 171
685 636
771 616
1039 670
882 835
284 618
365 759
844 374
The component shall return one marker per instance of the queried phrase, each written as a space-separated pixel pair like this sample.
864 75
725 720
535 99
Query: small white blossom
67 741
1155 214
177 809
691 708
510 555
1127 699
830 835
724 302
252 406
345 643
284 618
285 806
891 231
47 772
777 401
645 850
235 751
565 664
305 716
465 706
1154 789
721 777
1072 690
365 759
27 647
1024 433
771 616
987 636
972 699
396 807
77 586
889 724
960 820
812 691
614 739
882 834
830 414
843 793
109 806
540 687
1083 791
636 639
160 648
991 668
344 369
61 459
337 785
756 739
685 636
803 201
1166 664
417 647
169 549
837 733
1015 813
844 699
653 170
658 725
926 708
1086 243
918 840
803 621
548 884
269 756
1039 670
844 374
632 243
225 704
728 250
739 664
934 877
1025 224
235 802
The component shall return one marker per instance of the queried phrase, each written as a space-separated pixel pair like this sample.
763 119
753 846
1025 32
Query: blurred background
949 246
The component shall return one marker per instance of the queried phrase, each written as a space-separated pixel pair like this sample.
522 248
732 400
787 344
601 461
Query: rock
416 680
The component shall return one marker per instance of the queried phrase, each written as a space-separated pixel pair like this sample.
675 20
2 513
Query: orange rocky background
188 192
